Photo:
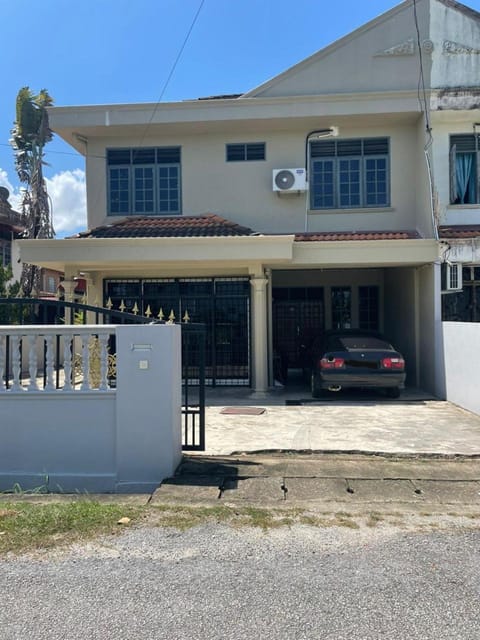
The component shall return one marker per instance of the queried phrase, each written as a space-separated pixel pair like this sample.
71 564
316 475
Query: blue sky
120 51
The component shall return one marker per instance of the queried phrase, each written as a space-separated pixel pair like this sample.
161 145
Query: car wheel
392 392
316 390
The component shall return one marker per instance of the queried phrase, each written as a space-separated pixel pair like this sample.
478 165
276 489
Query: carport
386 286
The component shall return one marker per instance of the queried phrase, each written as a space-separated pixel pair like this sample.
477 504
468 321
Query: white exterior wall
16 264
124 440
400 322
429 320
449 25
353 63
446 124
424 184
461 341
242 191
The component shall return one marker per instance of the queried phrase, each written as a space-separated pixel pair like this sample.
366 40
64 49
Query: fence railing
51 358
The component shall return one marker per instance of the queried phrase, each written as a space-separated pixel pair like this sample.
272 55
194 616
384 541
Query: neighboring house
10 229
190 209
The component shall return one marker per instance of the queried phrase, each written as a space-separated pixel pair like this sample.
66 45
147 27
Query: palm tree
29 136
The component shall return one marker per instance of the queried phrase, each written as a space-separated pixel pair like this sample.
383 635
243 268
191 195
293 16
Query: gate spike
122 306
109 304
171 317
135 309
161 315
148 312
186 317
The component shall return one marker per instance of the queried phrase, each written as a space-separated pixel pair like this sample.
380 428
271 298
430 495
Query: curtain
465 178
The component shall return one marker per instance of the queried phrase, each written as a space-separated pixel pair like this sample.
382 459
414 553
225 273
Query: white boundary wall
124 440
461 341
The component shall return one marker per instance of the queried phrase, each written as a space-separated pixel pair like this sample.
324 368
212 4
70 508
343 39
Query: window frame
132 209
336 159
475 152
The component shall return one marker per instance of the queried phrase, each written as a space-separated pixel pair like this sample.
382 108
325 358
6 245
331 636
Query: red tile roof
329 236
460 231
208 225
211 225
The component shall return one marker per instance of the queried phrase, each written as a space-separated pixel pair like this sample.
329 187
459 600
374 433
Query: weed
374 518
25 526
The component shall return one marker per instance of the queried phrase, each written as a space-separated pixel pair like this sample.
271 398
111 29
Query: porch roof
460 231
207 225
340 236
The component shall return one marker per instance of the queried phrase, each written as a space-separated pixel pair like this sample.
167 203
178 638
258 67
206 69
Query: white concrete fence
89 428
461 344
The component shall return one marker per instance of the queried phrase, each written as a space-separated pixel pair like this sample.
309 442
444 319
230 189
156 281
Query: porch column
68 289
259 335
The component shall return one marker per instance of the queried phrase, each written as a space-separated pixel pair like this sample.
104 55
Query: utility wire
422 99
172 71
421 92
157 104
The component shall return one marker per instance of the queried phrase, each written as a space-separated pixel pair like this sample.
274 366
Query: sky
124 51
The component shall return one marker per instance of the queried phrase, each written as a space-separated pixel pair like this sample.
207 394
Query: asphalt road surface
218 582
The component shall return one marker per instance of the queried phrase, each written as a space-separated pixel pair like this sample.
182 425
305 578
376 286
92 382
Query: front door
296 323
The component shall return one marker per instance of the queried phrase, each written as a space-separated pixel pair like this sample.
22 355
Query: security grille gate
18 311
221 304
298 318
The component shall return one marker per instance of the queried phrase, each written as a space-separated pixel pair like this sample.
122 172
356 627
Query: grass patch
345 520
26 526
185 517
374 519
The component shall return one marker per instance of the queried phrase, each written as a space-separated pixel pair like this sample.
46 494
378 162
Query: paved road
216 582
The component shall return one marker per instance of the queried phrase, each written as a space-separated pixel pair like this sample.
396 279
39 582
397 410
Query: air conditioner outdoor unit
285 180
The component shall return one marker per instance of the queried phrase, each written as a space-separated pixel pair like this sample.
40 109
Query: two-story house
312 201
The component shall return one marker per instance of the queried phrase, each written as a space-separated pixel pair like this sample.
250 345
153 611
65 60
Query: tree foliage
30 134
8 289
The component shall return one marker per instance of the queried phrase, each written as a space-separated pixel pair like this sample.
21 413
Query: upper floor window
464 169
144 181
346 174
242 151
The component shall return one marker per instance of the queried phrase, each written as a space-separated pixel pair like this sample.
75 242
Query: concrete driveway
368 422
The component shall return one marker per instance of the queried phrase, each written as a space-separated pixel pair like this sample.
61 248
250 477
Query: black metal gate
295 324
193 375
18 311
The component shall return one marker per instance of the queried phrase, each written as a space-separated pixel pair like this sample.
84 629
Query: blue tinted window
349 173
148 183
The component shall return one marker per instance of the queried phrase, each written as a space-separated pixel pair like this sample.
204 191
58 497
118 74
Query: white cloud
15 197
69 201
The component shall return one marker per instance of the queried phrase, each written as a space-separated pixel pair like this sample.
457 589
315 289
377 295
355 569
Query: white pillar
68 289
259 335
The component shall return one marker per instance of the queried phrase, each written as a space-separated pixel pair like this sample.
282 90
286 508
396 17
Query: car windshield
364 342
